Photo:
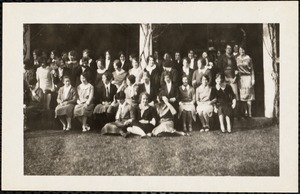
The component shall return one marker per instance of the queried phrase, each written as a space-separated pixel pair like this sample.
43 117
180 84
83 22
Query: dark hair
243 47
66 77
101 59
54 52
191 50
73 53
206 77
187 59
184 76
108 75
32 81
43 60
118 63
135 58
121 53
87 51
37 52
132 55
120 95
142 94
221 76
131 79
86 76
150 56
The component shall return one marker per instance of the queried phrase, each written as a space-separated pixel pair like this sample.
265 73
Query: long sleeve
91 95
74 96
60 95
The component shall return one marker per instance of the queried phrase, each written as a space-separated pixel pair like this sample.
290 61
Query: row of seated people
138 108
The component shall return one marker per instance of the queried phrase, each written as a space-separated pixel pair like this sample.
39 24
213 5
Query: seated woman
205 98
123 117
136 70
144 122
186 104
119 76
66 100
34 102
226 102
85 105
104 96
166 114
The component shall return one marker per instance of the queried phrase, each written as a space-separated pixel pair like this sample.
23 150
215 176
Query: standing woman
66 100
119 76
205 98
145 121
85 105
226 102
45 81
100 70
247 80
72 64
136 70
186 70
186 104
154 72
200 72
108 61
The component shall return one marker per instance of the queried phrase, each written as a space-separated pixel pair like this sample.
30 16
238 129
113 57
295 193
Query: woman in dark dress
123 117
186 70
145 121
100 70
226 102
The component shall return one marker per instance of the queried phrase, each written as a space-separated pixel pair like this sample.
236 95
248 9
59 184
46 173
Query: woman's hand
172 99
165 99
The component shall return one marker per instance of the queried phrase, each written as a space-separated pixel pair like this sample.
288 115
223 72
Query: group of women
120 97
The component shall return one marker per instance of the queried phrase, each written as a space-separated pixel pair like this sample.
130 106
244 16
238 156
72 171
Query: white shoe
84 129
88 128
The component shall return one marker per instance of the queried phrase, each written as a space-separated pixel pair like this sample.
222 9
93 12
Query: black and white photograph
153 99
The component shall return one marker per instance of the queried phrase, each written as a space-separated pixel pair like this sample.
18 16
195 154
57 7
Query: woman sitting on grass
145 118
85 105
205 99
166 114
226 102
66 100
124 117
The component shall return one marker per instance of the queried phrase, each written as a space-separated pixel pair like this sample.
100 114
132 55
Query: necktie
107 92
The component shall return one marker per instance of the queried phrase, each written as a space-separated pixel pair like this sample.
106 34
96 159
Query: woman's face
151 61
219 53
122 57
146 79
52 55
83 79
144 100
135 64
85 54
115 66
218 80
43 64
128 82
242 51
185 63
204 54
67 82
204 81
199 64
71 57
34 56
185 81
104 79
100 65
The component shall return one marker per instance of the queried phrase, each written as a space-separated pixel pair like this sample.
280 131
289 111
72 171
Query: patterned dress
69 96
85 95
245 67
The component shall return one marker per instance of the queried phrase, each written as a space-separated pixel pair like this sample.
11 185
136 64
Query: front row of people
141 118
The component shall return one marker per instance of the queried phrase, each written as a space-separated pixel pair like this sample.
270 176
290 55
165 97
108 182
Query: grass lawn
248 152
